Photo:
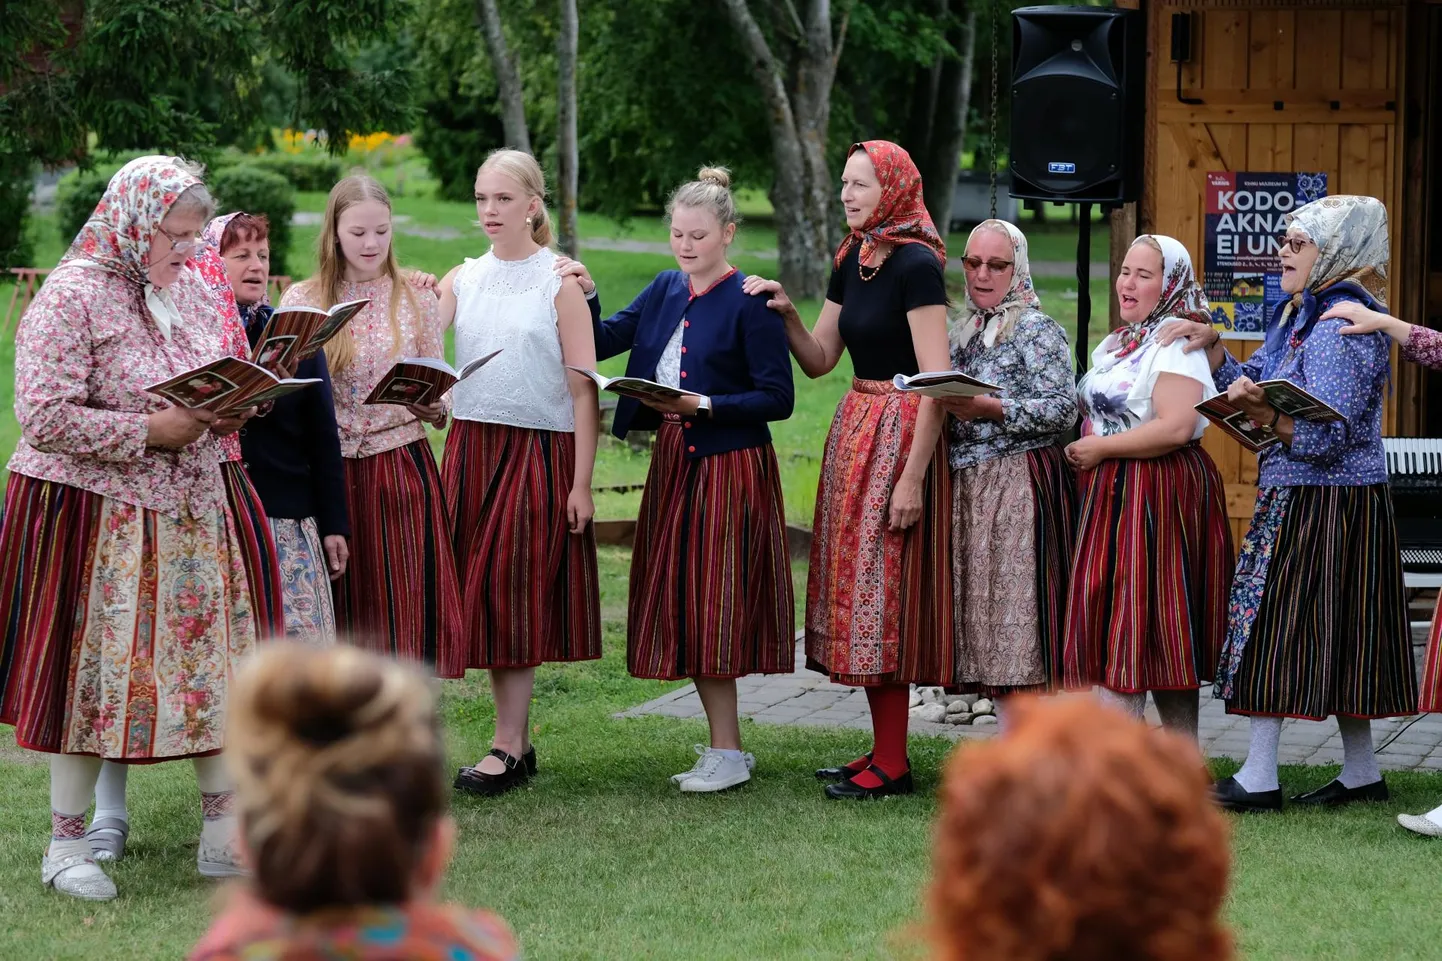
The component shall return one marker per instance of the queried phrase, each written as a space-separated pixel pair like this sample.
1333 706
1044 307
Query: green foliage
77 195
256 190
38 117
16 248
308 170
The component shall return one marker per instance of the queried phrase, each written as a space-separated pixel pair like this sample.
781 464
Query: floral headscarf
117 235
900 216
213 235
996 323
1182 297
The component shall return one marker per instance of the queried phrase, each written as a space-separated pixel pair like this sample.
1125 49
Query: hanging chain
995 69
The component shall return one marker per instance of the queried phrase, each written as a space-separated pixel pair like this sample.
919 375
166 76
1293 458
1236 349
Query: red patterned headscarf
900 217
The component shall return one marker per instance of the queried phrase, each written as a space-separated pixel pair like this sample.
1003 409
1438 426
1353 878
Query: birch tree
508 78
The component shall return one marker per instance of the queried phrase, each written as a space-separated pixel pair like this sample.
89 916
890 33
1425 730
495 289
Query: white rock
970 699
932 713
932 695
959 718
957 707
983 706
915 699
984 720
915 710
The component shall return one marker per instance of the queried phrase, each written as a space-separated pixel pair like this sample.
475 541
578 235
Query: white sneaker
700 749
1420 825
716 772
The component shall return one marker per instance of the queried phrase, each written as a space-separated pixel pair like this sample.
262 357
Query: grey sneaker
716 772
107 837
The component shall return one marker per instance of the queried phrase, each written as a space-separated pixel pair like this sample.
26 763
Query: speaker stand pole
1084 288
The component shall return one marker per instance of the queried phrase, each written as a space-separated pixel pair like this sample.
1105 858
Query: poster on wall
1246 217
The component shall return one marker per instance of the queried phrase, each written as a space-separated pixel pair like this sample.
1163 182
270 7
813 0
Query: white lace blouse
510 306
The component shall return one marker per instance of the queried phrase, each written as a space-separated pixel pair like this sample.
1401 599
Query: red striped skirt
711 588
257 547
531 593
399 595
1147 604
878 603
1431 687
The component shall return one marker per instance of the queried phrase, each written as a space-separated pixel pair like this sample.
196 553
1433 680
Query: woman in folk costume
519 460
1420 345
398 594
1013 495
1318 620
878 595
123 588
711 597
1147 602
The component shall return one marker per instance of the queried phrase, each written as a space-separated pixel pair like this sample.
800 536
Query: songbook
942 384
1285 396
227 385
422 380
637 388
296 333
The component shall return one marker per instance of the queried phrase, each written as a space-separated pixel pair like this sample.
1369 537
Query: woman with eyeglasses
1013 496
1318 617
1147 603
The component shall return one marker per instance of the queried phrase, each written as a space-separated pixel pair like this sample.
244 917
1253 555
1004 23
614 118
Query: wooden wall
1336 72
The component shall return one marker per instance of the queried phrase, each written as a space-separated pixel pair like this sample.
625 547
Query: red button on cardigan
691 450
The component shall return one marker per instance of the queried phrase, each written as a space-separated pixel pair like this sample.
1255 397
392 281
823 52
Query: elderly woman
1148 592
123 594
1012 492
1318 624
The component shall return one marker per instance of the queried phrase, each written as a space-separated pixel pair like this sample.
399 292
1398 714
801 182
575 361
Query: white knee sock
1359 760
1133 704
72 782
217 801
110 792
1179 710
1259 773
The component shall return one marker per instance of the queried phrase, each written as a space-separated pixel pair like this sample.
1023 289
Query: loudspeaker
1077 101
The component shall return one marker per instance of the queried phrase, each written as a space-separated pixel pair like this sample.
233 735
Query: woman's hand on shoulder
1364 320
777 298
421 280
567 267
1198 336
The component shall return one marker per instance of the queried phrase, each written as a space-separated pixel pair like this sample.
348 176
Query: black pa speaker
1077 102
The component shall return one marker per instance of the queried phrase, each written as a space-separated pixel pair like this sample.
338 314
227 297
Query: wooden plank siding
1287 86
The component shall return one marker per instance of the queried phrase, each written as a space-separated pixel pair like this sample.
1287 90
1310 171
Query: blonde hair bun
719 176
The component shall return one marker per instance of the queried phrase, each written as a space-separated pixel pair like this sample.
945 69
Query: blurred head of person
1080 835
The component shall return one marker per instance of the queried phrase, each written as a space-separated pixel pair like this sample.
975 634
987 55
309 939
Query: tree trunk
567 151
798 105
508 79
942 160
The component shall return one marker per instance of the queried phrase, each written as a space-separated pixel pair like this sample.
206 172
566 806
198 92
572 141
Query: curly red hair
1081 835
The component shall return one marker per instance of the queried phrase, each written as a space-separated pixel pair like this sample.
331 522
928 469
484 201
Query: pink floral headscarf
117 235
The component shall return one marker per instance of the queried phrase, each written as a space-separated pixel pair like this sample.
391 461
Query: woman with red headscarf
878 596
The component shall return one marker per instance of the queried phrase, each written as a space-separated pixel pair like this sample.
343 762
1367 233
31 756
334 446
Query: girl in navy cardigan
710 575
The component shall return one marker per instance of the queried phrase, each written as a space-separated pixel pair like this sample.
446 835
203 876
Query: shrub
76 196
256 190
311 170
16 248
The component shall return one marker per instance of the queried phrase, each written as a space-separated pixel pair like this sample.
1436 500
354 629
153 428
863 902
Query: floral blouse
1116 394
366 430
85 351
1038 400
1424 346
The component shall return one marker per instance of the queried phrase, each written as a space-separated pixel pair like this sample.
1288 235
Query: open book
298 333
227 385
1284 395
422 380
637 388
943 383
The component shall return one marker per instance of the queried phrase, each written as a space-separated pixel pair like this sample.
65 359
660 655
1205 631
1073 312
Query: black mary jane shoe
1335 794
529 760
476 781
1231 796
849 790
841 773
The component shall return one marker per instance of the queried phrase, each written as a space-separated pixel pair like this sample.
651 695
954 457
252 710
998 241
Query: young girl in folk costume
1013 521
878 595
1147 605
518 461
711 592
399 594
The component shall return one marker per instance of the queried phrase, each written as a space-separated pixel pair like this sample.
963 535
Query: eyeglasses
1296 243
995 266
182 245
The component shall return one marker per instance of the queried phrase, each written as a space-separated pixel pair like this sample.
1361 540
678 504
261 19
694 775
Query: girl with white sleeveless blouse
518 461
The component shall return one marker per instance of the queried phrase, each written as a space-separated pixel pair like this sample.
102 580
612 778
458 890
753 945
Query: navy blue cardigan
735 353
292 454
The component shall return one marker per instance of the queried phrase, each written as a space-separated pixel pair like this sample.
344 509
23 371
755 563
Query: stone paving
807 699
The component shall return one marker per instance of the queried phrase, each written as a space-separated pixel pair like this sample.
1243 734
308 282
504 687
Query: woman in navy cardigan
710 575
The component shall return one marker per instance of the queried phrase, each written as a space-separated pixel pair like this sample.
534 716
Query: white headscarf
996 323
1351 236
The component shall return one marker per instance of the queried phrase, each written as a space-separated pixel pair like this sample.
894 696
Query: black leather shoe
849 790
529 760
489 785
1233 797
1335 793
840 773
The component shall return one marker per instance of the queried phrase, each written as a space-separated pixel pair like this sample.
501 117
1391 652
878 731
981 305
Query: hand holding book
421 382
942 384
1248 411
226 386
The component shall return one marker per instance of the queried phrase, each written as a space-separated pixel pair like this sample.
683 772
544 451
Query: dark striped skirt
1013 529
399 595
1318 616
711 588
530 588
1147 601
120 628
878 603
257 546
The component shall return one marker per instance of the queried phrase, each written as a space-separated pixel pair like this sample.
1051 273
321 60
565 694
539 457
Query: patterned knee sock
1132 703
1259 773
67 837
1359 760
